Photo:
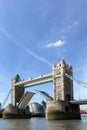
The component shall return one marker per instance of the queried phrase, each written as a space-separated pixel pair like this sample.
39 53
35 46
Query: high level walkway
36 81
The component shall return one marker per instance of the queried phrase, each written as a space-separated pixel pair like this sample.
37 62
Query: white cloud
56 44
69 26
1 94
76 23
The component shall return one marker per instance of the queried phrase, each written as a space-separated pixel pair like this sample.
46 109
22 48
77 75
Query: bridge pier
61 110
13 111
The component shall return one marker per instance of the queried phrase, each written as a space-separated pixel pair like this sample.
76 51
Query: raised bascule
59 106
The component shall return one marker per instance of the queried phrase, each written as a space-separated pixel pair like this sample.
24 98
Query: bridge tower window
66 109
67 97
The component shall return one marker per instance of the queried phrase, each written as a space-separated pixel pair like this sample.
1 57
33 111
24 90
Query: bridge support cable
3 104
85 94
82 83
78 91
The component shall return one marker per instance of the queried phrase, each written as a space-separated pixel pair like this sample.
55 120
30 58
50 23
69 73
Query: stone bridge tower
16 92
60 108
63 86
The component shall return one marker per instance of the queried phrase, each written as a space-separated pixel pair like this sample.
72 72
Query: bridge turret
62 62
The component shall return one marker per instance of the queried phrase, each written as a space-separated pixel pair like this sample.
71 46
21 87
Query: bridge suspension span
3 104
82 83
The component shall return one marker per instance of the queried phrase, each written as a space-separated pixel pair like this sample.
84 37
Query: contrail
24 48
6 34
36 56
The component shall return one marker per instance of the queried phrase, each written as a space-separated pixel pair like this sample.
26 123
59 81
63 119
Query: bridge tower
60 108
16 92
63 87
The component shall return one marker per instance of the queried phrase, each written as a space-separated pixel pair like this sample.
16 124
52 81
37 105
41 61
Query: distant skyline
35 34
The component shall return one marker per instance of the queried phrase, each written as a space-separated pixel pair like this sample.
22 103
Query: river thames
43 124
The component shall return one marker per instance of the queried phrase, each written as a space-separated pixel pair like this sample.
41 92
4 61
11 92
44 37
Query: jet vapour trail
8 36
36 56
24 48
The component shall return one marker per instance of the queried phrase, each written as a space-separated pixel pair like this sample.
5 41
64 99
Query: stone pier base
61 110
12 112
56 115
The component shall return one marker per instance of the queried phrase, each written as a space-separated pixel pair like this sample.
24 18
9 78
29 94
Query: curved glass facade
37 108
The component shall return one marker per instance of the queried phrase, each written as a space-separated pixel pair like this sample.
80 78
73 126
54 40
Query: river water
43 124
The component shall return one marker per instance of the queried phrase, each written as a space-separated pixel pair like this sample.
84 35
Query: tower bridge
62 105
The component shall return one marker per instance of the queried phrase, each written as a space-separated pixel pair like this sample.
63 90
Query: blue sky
35 34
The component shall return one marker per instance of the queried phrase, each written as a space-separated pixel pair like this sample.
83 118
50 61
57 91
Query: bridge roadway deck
36 81
79 102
